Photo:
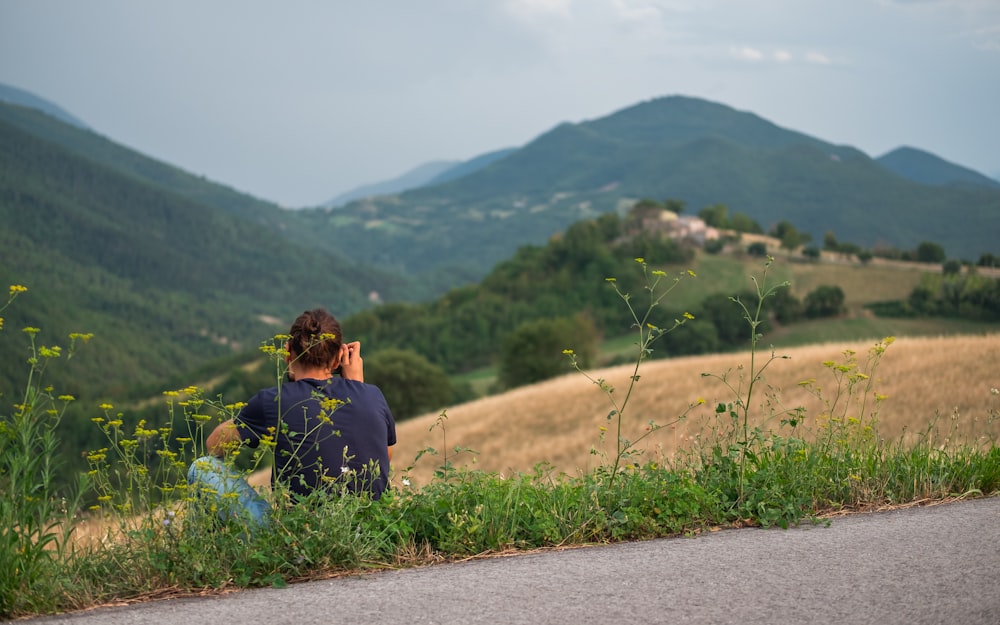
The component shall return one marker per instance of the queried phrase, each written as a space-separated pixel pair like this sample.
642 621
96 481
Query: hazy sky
297 101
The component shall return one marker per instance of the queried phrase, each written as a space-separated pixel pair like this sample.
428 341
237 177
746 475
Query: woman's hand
351 364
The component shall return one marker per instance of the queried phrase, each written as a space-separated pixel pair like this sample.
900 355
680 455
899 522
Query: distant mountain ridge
416 177
453 226
21 97
470 166
926 168
706 119
700 152
426 175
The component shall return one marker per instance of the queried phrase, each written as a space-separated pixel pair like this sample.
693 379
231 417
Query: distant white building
678 227
691 228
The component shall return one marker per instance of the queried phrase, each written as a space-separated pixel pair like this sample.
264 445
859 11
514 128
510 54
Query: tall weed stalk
657 287
748 381
36 516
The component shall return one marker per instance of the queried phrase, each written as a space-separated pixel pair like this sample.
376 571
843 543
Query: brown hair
315 338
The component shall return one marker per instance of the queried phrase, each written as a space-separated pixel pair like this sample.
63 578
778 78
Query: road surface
936 565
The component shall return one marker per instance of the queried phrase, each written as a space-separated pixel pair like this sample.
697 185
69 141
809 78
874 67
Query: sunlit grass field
942 383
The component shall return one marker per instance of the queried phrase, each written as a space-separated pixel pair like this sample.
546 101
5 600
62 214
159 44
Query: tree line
544 299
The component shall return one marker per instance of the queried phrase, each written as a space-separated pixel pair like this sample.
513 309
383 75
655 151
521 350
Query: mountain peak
20 97
676 119
926 168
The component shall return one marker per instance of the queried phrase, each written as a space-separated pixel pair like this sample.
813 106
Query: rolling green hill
165 280
696 151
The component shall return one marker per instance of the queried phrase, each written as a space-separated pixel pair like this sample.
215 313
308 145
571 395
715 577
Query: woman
328 433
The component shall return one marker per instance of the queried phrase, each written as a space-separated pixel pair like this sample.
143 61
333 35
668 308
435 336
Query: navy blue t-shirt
328 434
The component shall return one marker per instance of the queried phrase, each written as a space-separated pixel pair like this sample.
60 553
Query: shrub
534 351
824 301
410 383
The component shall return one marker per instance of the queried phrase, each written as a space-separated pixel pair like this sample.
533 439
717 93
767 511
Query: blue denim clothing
211 481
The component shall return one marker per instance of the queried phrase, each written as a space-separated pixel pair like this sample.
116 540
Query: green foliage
754 316
824 301
786 307
789 236
951 267
36 515
410 383
534 351
466 328
988 260
929 252
722 312
717 216
963 296
656 288
474 512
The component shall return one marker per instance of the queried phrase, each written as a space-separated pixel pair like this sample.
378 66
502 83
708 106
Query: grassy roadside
753 459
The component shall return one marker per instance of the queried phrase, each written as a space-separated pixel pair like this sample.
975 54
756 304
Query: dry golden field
943 382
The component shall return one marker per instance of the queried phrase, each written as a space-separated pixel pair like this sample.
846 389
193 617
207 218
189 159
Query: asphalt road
937 564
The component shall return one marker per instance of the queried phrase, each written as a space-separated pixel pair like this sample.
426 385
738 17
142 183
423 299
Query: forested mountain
929 169
106 153
416 177
699 152
470 166
165 279
428 174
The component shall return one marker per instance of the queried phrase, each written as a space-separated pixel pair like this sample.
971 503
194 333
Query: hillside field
939 386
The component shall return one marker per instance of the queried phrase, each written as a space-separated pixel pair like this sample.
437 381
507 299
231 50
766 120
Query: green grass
482 381
865 328
722 274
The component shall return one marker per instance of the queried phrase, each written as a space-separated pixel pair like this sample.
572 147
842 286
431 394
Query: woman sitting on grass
328 433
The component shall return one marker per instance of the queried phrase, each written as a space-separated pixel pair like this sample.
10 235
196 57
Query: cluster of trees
543 300
790 238
554 293
924 252
962 296
717 216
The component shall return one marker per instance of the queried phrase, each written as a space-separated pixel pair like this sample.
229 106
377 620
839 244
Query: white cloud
530 9
818 58
747 53
986 38
780 55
